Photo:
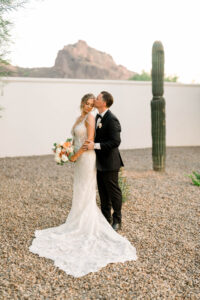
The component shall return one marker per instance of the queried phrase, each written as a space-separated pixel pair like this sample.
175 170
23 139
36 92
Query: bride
86 242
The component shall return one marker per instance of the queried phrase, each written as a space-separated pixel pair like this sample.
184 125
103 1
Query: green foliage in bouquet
124 186
195 178
66 151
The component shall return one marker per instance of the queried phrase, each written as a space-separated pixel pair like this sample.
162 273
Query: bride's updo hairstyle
85 99
108 98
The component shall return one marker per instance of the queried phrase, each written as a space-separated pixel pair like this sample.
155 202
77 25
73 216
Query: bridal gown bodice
85 242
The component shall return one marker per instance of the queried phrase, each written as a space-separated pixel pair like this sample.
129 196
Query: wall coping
92 81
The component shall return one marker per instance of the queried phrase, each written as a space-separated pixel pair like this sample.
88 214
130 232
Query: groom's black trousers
110 194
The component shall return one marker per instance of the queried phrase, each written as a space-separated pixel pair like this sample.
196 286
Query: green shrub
195 178
124 186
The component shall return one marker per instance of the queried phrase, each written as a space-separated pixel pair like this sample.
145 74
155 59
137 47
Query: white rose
57 159
64 158
58 150
61 143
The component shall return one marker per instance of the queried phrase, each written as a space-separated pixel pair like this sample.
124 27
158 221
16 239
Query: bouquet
63 151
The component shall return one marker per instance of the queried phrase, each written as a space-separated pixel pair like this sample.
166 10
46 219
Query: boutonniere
100 125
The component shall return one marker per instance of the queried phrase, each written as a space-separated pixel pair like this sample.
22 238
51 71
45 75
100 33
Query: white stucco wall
38 112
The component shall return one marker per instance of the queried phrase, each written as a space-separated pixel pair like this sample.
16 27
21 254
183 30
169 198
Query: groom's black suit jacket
108 157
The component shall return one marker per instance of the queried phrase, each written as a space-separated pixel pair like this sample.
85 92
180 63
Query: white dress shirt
97 145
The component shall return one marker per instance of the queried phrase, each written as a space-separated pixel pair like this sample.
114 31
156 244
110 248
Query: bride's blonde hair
85 98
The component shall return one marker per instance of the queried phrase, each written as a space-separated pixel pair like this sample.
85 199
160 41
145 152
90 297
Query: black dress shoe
116 226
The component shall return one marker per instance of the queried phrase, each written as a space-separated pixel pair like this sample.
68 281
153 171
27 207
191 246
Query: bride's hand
85 145
89 145
73 158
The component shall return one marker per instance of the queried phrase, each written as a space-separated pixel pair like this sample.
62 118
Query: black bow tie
99 116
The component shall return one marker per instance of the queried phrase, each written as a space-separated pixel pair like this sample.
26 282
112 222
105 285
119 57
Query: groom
108 159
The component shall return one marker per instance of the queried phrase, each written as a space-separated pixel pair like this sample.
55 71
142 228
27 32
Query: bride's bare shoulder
90 119
90 116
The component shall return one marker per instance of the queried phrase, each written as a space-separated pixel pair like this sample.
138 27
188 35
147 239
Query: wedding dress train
86 242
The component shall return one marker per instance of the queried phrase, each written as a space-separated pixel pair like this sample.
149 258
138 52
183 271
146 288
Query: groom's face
99 102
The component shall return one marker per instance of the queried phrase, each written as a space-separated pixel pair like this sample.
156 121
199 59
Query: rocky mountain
77 61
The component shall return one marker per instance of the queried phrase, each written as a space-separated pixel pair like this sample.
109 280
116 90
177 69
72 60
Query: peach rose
66 144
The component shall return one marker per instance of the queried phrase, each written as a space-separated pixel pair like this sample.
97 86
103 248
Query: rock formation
78 61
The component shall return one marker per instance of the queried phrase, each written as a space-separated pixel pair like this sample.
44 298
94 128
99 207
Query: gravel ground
160 219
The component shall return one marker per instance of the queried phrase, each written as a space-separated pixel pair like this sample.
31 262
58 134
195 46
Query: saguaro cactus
158 108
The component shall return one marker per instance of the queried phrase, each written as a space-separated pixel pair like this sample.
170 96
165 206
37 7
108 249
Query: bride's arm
77 154
90 125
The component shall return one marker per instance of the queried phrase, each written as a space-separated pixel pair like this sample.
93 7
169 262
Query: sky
125 29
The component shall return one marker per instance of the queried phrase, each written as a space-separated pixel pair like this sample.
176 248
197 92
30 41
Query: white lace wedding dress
86 242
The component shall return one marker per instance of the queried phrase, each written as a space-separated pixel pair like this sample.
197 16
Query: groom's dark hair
108 98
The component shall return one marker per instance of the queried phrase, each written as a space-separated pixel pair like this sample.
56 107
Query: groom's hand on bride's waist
88 145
